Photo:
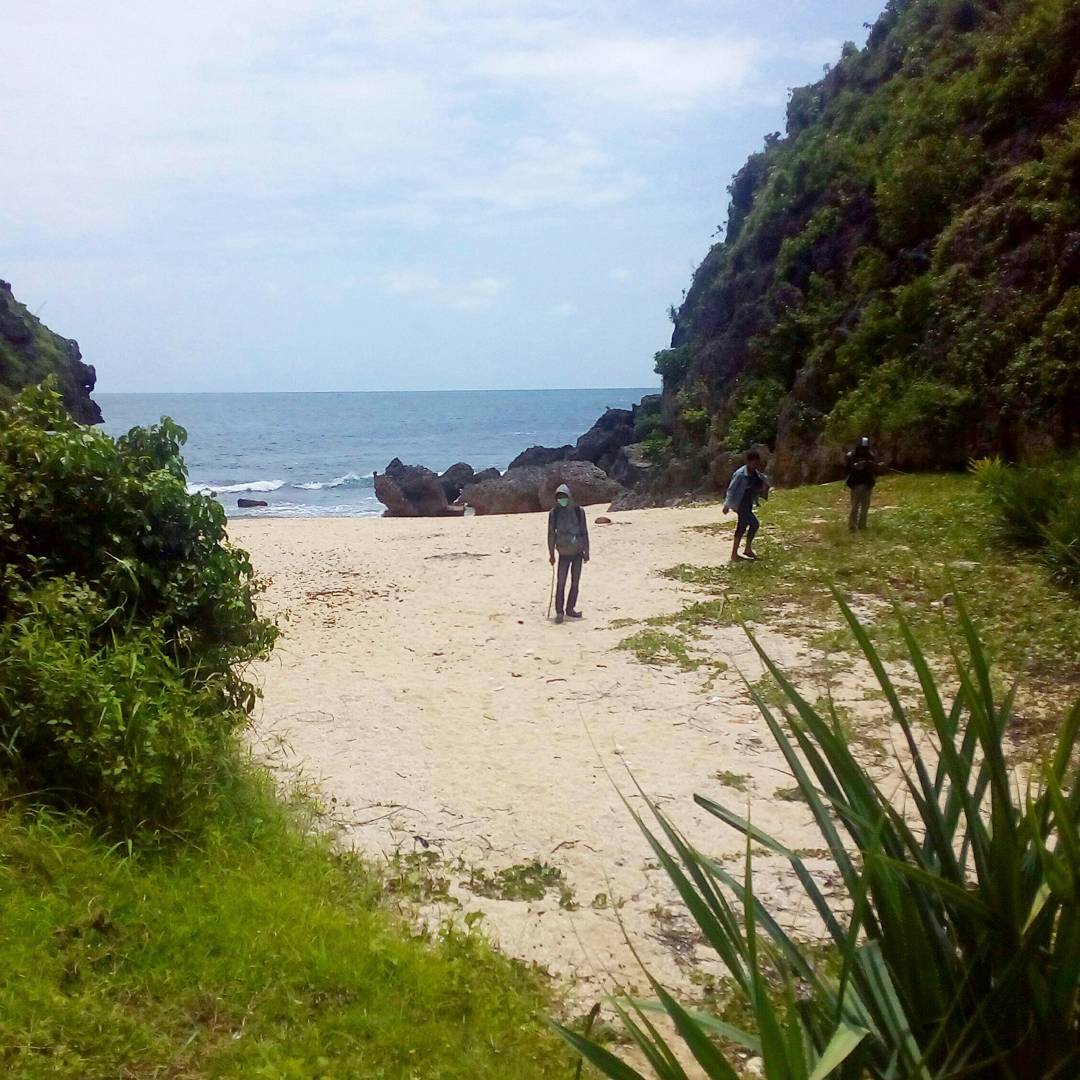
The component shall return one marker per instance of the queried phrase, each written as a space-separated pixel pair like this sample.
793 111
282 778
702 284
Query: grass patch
261 952
928 536
738 781
523 881
658 647
704 577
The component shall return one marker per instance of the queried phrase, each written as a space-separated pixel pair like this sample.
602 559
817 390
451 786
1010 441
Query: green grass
738 781
658 648
262 951
929 535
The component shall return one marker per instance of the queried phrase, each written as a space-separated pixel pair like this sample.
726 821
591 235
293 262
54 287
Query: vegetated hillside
904 262
30 352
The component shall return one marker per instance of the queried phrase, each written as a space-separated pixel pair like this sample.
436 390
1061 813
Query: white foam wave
236 489
339 481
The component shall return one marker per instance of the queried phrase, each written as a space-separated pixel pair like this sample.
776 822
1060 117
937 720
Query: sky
235 195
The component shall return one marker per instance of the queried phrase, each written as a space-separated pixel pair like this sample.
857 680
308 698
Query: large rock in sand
410 491
528 490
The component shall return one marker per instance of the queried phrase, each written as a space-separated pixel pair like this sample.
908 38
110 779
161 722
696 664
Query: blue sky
333 195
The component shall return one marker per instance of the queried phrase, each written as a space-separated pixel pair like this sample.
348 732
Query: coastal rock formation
538 456
602 442
30 352
632 466
599 445
247 504
410 491
455 478
528 490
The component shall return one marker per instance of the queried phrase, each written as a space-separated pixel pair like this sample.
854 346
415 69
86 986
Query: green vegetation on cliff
905 261
30 353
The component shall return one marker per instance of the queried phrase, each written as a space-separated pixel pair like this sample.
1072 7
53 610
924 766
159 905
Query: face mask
563 500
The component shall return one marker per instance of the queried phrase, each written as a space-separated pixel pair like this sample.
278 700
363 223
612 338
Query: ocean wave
286 509
348 480
236 489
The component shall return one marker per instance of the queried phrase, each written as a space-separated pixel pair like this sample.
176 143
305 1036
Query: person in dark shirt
568 534
862 468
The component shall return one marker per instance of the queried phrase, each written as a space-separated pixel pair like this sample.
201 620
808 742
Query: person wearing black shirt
862 468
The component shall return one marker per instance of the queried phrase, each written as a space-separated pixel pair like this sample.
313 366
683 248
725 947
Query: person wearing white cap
568 534
862 475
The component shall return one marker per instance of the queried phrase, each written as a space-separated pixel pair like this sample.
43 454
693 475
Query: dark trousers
860 506
747 523
571 563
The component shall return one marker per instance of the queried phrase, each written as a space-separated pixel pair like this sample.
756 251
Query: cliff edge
30 352
903 262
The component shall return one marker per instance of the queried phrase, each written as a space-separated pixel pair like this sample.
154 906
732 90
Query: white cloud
620 275
458 294
565 309
568 170
652 73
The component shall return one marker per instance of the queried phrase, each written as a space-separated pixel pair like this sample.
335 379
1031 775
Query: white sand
420 681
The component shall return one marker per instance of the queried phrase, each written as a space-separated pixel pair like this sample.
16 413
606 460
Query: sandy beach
419 682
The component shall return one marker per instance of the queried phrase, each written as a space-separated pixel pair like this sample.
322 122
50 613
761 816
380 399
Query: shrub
672 364
1037 506
656 447
757 411
124 617
955 949
695 418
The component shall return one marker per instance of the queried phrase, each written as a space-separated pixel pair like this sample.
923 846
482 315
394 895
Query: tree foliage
905 261
125 615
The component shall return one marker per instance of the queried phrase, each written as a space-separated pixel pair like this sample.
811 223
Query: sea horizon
314 453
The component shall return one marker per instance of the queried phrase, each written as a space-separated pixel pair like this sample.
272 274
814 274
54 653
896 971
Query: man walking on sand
748 487
862 475
568 534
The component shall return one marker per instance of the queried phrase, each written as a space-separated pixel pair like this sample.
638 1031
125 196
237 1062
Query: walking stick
551 598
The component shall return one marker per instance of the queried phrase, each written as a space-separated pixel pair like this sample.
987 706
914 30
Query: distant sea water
314 455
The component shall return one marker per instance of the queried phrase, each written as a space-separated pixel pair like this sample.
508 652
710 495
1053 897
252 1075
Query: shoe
573 614
749 555
558 618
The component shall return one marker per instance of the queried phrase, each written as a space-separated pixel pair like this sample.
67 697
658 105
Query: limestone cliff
30 352
903 261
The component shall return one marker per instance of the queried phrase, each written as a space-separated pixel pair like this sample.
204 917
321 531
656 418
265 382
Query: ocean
314 455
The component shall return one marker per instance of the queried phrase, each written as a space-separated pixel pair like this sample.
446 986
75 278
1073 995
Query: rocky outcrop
602 442
632 467
599 445
528 490
538 456
410 491
30 352
455 478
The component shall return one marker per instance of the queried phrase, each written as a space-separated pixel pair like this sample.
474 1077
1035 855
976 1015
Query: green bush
757 409
656 447
125 616
672 364
955 947
1038 507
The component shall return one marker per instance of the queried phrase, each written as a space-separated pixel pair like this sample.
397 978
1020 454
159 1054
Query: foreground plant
126 618
956 952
